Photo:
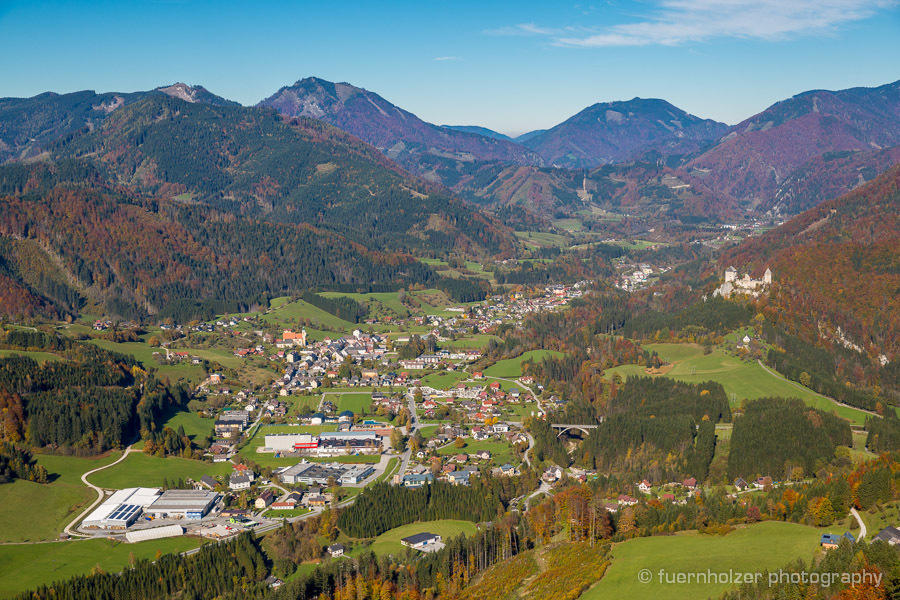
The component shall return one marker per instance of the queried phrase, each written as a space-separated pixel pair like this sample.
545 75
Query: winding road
70 528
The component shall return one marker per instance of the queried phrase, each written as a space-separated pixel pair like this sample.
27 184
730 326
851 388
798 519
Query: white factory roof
154 533
129 497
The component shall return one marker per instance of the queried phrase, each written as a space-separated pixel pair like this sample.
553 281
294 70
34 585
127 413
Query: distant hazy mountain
762 154
480 131
29 125
613 132
438 153
527 136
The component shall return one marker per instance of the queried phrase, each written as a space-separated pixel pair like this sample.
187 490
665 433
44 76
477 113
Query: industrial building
356 474
290 442
333 443
121 509
186 504
154 533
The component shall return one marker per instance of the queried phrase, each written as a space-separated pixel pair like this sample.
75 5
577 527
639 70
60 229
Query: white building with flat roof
121 509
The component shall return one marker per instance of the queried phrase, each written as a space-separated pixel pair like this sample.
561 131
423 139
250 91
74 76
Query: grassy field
501 452
472 342
51 505
512 367
389 541
195 426
355 402
390 300
24 567
444 380
742 380
288 313
38 356
768 545
149 471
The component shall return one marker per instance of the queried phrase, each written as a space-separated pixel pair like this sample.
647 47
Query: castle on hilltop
744 285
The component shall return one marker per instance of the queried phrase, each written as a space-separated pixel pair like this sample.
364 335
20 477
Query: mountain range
791 156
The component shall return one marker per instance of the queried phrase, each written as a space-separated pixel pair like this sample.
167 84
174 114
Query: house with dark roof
833 540
890 534
421 541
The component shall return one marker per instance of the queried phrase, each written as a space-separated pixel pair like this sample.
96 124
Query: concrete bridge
564 427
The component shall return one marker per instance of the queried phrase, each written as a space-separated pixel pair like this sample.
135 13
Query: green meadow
742 380
50 505
512 367
768 545
140 469
23 567
389 541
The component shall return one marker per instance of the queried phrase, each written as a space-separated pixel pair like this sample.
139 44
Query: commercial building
154 533
186 504
311 473
356 474
291 442
427 542
121 509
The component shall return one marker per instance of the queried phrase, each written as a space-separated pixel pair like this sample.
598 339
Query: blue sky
512 66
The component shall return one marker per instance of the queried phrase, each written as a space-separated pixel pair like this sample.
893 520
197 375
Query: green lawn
51 505
389 541
389 471
501 452
23 567
768 545
140 350
741 379
140 469
512 367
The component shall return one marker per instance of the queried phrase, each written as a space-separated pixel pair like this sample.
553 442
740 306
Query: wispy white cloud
445 58
674 22
523 29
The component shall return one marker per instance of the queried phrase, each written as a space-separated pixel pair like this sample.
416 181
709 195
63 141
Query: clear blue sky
512 66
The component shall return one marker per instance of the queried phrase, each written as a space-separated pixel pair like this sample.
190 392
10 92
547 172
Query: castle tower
730 274
767 276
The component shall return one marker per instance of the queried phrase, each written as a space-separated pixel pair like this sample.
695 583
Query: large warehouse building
184 504
121 509
289 442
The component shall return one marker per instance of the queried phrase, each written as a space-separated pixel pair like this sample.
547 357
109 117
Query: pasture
767 545
741 379
23 567
512 367
389 541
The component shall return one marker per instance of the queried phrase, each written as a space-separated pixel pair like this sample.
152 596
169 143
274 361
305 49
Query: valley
317 347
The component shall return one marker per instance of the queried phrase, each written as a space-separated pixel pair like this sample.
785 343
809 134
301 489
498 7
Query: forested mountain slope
837 270
168 205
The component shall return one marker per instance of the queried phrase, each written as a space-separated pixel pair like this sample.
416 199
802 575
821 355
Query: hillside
238 198
479 130
28 126
612 132
836 270
759 159
428 150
